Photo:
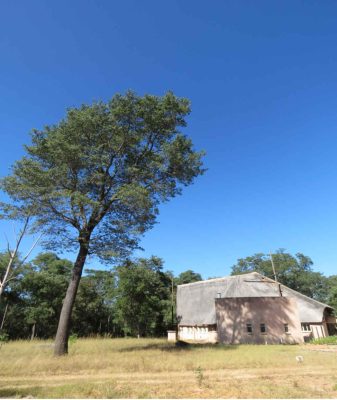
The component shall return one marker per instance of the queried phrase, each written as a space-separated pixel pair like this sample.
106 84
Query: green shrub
325 340
73 338
4 337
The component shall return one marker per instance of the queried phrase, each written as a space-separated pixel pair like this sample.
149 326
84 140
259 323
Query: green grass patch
325 340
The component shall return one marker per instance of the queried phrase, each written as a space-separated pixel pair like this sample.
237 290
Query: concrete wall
172 336
233 315
197 334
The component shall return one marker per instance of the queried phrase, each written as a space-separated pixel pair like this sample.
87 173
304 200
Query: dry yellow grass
153 368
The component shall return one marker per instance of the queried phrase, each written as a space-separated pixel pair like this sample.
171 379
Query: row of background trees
135 298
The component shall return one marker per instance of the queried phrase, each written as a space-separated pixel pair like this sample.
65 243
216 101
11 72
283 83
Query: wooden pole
172 295
275 276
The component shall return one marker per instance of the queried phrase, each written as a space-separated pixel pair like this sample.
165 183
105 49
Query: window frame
306 325
263 329
249 328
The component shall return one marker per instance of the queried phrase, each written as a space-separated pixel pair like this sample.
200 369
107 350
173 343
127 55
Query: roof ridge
297 292
306 297
220 279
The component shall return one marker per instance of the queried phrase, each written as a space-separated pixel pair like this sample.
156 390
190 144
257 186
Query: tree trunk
62 334
4 318
33 332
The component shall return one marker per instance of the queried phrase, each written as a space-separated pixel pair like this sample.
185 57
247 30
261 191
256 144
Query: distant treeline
136 298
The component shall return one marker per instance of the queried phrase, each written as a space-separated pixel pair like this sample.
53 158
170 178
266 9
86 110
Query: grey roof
196 301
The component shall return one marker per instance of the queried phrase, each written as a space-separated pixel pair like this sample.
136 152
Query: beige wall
197 334
319 330
233 315
172 336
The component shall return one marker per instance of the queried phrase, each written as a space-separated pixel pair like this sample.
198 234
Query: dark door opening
332 330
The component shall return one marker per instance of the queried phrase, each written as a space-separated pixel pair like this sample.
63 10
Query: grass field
145 368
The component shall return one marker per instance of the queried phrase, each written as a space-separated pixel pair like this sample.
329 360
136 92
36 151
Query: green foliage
325 340
143 294
18 269
99 175
188 276
73 338
35 299
94 307
4 337
332 291
43 288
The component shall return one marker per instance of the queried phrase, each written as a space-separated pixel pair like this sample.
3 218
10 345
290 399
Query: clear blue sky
262 79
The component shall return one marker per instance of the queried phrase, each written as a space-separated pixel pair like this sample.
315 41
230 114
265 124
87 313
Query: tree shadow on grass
178 346
19 392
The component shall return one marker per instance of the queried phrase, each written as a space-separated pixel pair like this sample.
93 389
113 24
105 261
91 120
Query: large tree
94 180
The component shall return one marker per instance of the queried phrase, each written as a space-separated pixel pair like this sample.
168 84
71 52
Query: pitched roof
196 304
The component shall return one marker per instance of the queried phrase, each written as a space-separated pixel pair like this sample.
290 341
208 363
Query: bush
325 340
4 337
73 338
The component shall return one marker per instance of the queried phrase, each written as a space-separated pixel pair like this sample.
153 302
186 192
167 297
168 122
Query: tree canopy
188 276
142 296
102 171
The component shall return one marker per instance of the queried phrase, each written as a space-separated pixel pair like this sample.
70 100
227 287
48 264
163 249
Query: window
306 327
263 328
286 328
249 329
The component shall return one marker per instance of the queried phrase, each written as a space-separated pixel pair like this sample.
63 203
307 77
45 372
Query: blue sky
262 79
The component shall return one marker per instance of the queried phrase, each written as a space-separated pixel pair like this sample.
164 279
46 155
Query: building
249 308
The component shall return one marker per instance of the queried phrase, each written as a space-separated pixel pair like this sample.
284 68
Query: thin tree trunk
4 318
12 255
62 334
33 332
